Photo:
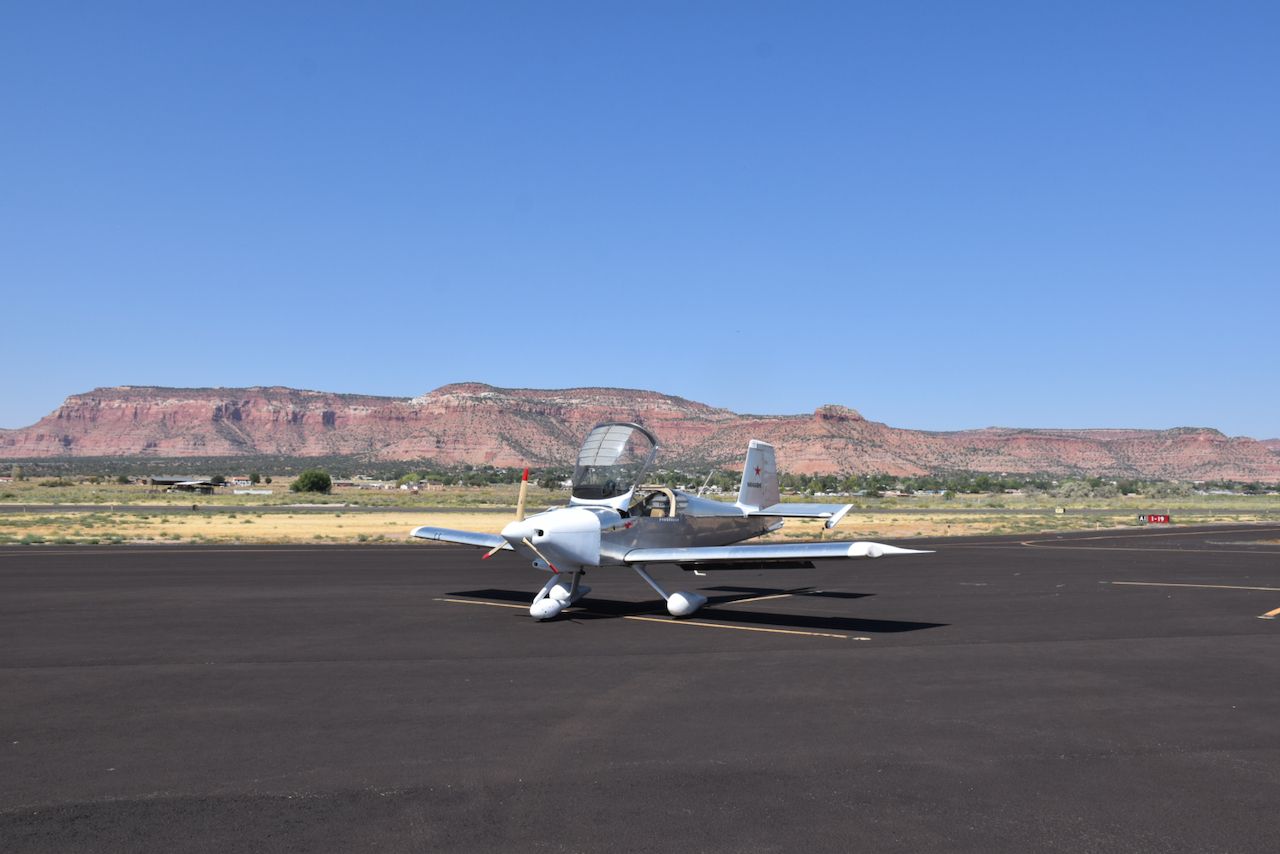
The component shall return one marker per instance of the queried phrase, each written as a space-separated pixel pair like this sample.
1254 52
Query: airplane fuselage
696 522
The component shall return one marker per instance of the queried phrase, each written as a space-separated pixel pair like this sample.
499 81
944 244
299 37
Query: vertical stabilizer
759 477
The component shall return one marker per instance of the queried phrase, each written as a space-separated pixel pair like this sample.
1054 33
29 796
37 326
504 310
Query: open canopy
612 461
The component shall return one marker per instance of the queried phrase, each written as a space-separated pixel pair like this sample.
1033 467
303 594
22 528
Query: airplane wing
465 538
833 513
763 556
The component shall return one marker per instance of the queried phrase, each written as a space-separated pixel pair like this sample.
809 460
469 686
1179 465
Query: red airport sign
1155 518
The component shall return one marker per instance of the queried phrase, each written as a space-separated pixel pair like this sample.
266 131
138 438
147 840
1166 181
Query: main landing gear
680 603
555 596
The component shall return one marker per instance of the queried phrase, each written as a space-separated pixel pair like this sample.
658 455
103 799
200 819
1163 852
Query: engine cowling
568 536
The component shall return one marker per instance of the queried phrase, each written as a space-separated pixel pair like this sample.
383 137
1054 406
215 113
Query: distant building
422 486
203 487
167 480
183 484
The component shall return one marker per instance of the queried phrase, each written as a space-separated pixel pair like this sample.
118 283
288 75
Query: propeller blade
524 490
540 555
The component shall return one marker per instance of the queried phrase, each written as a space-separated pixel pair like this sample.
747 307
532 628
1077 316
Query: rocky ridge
478 424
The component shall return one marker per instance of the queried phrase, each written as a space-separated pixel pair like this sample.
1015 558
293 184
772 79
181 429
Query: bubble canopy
612 461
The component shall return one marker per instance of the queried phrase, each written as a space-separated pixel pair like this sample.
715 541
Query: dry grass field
312 518
58 491
185 526
105 526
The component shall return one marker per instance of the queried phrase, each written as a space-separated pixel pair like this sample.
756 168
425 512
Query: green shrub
312 480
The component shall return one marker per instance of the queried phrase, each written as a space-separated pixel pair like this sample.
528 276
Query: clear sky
945 214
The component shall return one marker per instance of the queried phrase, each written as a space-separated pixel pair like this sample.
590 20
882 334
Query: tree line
716 480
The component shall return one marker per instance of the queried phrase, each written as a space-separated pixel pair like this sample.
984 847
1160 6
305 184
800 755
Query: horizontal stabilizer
777 555
833 513
464 538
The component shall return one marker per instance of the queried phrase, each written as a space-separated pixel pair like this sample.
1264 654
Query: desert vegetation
312 480
375 502
106 527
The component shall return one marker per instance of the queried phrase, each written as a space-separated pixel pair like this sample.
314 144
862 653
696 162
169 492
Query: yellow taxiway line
760 598
1034 544
744 628
1270 615
490 604
1204 586
1149 534
670 622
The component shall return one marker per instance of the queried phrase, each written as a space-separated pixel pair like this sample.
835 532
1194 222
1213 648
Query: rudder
759 477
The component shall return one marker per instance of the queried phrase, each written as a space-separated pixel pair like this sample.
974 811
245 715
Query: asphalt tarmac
1104 692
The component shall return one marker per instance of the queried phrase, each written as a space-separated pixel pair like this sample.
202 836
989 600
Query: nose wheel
555 596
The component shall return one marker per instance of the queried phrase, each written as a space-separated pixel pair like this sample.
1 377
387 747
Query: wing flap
772 555
463 538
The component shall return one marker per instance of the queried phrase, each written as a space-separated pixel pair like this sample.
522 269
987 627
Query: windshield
612 460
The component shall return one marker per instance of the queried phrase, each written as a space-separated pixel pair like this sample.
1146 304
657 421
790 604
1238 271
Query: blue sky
945 215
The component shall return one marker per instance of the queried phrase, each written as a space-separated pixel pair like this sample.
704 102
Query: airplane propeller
551 566
524 490
520 503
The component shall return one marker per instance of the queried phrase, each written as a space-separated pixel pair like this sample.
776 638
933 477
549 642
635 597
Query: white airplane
613 519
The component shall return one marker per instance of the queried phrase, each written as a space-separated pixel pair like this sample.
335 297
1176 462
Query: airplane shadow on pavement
594 608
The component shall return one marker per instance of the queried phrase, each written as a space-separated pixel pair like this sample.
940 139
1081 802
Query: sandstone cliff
477 423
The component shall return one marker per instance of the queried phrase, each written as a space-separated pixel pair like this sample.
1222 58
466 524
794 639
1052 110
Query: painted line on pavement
1270 615
760 598
1145 533
1031 544
672 622
744 628
1203 586
490 604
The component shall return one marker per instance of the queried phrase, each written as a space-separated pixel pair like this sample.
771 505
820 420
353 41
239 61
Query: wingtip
865 549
